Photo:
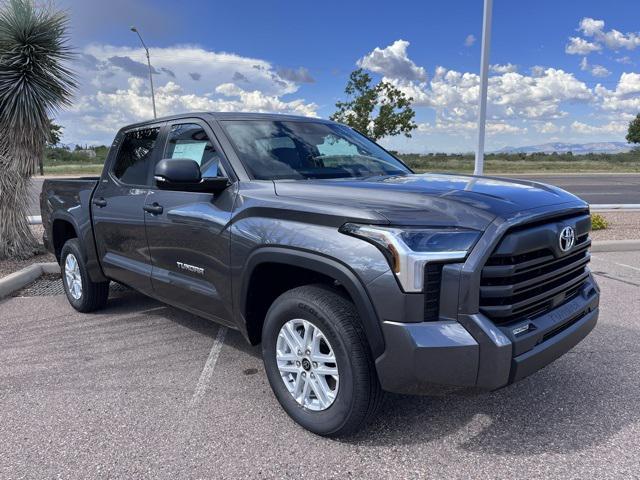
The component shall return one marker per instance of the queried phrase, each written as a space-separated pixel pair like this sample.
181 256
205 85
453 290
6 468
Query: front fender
323 265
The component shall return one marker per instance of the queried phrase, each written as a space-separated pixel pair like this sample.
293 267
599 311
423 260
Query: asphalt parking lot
142 390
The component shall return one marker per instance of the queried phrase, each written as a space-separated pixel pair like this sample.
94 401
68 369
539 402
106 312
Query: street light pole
484 83
153 97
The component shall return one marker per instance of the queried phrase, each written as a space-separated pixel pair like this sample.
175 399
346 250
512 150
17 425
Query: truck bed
69 200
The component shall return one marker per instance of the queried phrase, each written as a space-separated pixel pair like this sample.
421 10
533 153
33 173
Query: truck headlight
408 249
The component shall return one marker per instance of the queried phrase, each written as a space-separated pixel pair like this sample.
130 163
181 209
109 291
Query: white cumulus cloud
513 98
599 71
454 95
612 39
624 99
595 70
504 68
548 127
393 61
114 88
590 27
611 128
580 46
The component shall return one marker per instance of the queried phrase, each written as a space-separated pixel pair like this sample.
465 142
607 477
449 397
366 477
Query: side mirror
177 171
183 174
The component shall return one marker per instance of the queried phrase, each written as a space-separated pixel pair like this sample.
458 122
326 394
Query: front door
188 235
117 209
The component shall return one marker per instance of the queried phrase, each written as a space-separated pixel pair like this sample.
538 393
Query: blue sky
563 70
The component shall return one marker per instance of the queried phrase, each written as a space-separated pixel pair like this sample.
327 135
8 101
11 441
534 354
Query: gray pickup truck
355 275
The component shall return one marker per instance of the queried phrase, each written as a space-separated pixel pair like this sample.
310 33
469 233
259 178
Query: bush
598 222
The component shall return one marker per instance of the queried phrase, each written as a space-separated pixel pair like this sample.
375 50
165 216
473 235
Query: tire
357 394
90 296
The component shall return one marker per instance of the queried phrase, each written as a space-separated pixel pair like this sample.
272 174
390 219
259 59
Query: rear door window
134 156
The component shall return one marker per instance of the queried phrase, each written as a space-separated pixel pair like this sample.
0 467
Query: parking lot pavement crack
578 351
618 279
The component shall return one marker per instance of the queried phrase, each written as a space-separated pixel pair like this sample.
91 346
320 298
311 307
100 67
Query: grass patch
535 163
73 169
498 167
598 222
495 164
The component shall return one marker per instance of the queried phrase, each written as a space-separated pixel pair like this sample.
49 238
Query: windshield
273 150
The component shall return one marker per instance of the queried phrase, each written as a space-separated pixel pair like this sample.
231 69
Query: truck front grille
520 281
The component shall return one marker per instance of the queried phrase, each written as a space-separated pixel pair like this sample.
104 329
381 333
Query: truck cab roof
229 116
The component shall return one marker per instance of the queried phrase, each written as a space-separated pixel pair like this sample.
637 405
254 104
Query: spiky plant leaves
35 81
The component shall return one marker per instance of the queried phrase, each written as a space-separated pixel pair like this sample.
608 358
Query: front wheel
318 361
83 294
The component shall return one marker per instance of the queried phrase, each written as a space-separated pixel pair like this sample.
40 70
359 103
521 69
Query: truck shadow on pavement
585 397
579 401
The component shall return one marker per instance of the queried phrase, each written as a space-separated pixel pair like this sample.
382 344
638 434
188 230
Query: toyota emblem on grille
567 238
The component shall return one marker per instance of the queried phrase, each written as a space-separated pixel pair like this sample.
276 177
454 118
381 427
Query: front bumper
432 357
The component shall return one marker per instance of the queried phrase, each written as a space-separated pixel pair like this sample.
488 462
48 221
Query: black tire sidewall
72 247
333 418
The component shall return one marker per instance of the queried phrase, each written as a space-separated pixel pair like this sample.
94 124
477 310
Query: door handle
154 208
100 202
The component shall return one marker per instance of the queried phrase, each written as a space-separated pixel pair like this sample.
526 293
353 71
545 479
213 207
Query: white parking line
209 366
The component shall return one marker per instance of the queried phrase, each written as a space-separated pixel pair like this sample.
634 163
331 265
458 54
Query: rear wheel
318 361
83 294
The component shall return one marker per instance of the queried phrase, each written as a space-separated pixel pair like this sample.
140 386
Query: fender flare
64 217
326 266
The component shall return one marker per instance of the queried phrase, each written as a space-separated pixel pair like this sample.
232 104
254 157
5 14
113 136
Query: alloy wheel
73 277
307 364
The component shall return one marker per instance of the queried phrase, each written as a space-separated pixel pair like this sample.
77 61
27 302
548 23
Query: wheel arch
316 265
68 226
62 230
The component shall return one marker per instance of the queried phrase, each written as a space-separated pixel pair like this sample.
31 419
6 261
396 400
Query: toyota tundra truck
356 275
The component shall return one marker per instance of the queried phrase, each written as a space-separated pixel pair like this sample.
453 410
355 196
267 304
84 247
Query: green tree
378 111
633 135
35 82
55 134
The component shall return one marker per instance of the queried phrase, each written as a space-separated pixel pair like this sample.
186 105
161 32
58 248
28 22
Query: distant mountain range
575 148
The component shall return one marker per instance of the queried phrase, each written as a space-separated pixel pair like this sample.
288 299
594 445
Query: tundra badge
190 268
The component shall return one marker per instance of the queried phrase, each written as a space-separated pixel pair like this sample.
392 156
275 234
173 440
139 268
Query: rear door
188 236
117 208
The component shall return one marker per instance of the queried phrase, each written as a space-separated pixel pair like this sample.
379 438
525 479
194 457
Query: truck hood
433 199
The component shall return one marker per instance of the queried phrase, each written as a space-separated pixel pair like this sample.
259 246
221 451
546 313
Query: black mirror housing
177 170
183 174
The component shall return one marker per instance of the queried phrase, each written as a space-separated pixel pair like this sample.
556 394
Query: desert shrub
598 222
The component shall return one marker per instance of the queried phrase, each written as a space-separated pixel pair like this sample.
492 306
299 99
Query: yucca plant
35 81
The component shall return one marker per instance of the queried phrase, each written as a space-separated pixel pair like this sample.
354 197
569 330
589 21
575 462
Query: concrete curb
612 207
615 246
24 277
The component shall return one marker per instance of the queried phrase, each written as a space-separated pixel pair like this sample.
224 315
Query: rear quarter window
132 163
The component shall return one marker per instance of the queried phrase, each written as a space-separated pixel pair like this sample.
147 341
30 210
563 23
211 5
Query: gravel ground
10 266
622 226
